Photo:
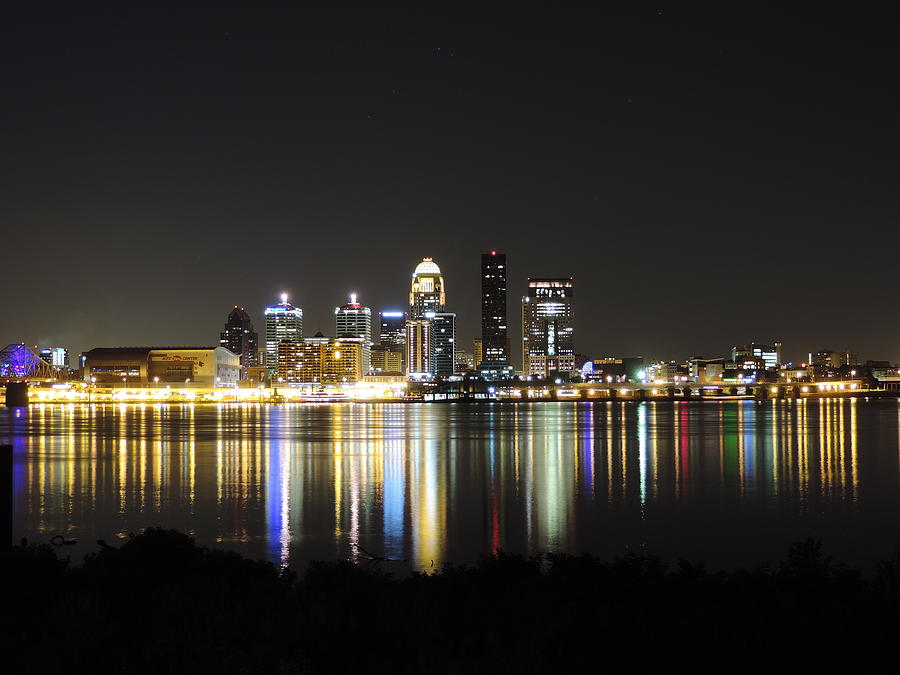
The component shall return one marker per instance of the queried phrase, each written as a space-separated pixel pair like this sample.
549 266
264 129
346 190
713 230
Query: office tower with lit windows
393 330
443 342
240 338
426 290
284 321
548 329
493 307
355 320
419 347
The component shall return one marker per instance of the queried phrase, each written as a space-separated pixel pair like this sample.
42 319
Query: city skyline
701 169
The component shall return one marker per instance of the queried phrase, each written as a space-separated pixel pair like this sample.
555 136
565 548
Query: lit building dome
427 266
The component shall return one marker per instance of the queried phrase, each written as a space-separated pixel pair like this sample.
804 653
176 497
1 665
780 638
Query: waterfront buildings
548 331
443 337
355 320
477 352
770 354
426 289
319 360
193 367
284 321
419 347
55 356
240 338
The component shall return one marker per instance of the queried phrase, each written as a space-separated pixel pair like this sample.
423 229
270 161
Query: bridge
20 364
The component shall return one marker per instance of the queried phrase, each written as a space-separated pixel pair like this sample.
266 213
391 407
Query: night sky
708 178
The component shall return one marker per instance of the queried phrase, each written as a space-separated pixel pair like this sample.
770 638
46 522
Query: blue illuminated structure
17 361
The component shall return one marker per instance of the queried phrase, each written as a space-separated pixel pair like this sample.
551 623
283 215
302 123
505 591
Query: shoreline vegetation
160 603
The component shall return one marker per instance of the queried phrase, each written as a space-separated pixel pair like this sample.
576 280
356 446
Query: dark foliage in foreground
161 604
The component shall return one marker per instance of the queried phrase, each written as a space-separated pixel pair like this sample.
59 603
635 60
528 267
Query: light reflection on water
730 482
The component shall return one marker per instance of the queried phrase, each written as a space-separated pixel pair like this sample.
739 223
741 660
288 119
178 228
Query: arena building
194 367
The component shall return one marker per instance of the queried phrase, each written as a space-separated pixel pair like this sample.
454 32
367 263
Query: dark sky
708 176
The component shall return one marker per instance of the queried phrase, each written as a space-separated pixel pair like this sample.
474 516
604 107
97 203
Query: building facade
284 321
493 308
426 290
192 367
443 337
548 327
240 338
355 320
419 347
385 360
393 330
319 360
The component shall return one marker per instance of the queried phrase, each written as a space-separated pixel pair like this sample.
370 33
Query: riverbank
160 603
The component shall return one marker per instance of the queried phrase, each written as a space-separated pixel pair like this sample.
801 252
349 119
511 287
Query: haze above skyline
709 178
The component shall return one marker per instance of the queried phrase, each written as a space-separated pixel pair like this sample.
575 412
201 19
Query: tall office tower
427 289
548 327
419 347
283 322
240 338
493 307
443 340
355 320
393 330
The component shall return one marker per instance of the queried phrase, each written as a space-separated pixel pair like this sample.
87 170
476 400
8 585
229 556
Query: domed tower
427 291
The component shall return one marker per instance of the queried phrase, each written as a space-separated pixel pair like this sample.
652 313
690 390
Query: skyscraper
427 289
355 320
240 338
548 327
493 307
393 330
283 322
419 347
443 339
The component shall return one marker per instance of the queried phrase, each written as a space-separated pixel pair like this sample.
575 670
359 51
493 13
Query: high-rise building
548 330
443 339
427 289
419 347
493 307
319 360
355 320
55 356
283 322
393 330
240 338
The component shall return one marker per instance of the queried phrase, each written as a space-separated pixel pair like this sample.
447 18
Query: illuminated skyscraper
355 320
240 338
443 342
393 330
493 307
419 347
427 289
548 333
283 322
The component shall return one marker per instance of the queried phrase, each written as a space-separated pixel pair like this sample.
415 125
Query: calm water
730 483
